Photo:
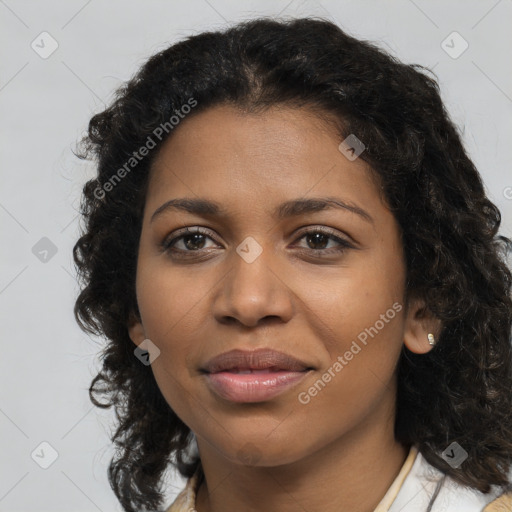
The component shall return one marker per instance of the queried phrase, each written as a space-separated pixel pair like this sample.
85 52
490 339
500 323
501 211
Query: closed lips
257 361
247 370
254 376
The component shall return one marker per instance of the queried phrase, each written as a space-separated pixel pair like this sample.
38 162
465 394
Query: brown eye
317 240
192 240
189 241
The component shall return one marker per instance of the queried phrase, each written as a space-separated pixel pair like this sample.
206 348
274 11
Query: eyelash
168 244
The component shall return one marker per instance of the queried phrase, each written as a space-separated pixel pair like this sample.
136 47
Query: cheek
347 302
169 300
357 314
170 305
359 377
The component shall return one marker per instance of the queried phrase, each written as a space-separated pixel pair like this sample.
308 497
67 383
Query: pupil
194 237
316 237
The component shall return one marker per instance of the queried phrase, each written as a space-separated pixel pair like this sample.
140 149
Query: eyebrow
292 208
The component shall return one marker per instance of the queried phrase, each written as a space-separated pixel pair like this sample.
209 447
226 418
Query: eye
194 241
318 238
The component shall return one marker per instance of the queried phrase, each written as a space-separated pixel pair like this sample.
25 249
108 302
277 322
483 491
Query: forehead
231 155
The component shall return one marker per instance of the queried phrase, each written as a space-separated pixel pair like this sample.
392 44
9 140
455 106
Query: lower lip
252 387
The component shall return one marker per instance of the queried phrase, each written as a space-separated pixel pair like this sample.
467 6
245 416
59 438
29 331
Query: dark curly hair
455 260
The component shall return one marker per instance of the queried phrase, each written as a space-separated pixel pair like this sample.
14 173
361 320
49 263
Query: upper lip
254 360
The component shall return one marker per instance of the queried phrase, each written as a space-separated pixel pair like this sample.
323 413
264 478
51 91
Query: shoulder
420 486
501 504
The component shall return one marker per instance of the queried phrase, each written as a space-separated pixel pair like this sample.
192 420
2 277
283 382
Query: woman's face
258 280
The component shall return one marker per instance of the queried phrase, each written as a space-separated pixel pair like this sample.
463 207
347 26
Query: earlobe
422 328
136 330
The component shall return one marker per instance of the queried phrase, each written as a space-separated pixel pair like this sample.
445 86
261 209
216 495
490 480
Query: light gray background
47 363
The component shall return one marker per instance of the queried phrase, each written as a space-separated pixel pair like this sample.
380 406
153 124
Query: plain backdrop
47 363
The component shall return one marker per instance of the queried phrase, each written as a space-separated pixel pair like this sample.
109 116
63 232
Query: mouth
253 376
249 386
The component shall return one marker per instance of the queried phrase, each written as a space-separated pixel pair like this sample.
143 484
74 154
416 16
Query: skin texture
338 451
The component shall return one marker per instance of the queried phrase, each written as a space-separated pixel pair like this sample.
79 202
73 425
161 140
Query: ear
136 330
419 322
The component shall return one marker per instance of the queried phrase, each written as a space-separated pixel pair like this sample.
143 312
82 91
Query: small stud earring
431 339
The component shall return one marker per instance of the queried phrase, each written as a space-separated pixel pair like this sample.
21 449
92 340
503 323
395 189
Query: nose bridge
252 288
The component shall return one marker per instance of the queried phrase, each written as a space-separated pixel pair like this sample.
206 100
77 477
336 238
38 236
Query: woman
299 274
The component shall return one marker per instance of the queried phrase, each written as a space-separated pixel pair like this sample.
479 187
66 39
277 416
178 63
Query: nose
253 293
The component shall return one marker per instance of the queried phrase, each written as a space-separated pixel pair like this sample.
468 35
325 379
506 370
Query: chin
262 454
